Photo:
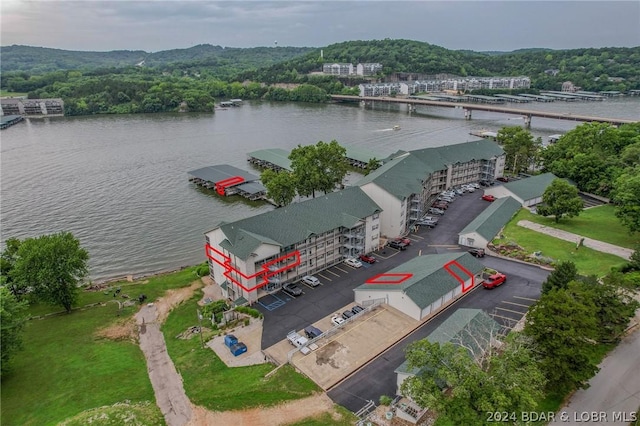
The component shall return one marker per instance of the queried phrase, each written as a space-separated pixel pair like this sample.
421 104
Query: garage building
527 191
484 228
423 285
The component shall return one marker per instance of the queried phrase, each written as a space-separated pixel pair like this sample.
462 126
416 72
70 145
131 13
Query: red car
403 240
503 179
494 280
488 198
367 259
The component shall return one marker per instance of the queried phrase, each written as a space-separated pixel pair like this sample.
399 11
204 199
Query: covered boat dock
229 180
274 158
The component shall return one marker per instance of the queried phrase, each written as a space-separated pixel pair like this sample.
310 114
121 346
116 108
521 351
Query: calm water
119 183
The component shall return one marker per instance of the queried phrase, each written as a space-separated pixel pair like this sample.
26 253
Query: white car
337 319
311 280
354 263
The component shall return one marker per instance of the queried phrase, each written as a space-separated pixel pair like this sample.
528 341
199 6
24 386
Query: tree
562 275
615 306
319 167
12 320
305 170
281 187
564 329
52 266
626 195
332 164
7 262
561 199
520 148
373 164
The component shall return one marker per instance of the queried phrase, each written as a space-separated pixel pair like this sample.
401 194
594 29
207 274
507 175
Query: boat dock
561 96
228 180
276 159
485 134
482 99
10 120
513 98
537 98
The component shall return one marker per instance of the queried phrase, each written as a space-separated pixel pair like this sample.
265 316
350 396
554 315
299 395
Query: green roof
403 174
360 154
429 279
531 187
493 218
294 223
276 156
467 328
400 177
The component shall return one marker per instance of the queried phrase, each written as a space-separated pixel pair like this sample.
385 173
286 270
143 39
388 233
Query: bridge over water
468 108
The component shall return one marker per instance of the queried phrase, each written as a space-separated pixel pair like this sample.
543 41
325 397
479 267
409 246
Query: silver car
311 280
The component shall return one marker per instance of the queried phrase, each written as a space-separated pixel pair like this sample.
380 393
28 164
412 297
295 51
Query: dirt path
167 383
286 413
601 246
169 390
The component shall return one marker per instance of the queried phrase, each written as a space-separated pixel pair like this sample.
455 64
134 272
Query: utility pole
200 320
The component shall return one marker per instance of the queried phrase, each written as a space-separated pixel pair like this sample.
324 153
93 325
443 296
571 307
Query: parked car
311 280
470 188
503 179
494 280
367 259
488 197
477 252
357 309
312 332
427 222
475 185
460 191
407 241
354 263
398 245
292 290
440 205
450 194
337 319
347 314
435 210
447 199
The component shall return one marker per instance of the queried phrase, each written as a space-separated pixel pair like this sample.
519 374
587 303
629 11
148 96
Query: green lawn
588 261
598 223
4 93
65 369
210 383
347 418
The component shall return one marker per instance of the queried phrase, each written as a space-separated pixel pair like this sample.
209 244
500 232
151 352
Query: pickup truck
296 339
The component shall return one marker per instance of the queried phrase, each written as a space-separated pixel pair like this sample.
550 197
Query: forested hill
38 60
588 68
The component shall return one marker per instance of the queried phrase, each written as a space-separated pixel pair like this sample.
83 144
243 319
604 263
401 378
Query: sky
162 25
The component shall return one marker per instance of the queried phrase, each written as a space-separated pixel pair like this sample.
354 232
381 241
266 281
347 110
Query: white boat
396 127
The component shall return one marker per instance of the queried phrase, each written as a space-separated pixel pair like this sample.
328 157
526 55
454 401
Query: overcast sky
161 25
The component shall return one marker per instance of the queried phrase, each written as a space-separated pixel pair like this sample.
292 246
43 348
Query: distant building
338 69
568 87
368 68
447 84
31 107
552 72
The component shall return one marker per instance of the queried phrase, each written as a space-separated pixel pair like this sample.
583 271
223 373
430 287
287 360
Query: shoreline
140 275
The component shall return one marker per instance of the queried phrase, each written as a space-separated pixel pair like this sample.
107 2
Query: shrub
203 270
385 400
249 311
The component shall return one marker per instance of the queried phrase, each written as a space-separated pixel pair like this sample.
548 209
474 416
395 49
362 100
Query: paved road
336 290
601 246
506 304
614 393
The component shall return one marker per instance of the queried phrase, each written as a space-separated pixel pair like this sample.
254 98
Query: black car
398 245
477 252
292 290
347 314
357 309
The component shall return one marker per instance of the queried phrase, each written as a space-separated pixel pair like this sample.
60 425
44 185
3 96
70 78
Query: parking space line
509 310
507 318
517 304
326 278
340 269
331 272
525 298
416 236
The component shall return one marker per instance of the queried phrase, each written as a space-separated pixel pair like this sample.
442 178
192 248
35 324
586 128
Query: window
374 237
376 215
374 227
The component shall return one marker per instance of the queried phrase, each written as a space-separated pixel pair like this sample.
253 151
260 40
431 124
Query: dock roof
221 172
276 156
360 154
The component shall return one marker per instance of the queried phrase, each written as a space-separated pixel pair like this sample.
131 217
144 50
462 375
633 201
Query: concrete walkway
166 382
601 246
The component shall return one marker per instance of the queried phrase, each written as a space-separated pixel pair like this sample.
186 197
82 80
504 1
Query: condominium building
253 256
407 184
439 85
338 69
368 68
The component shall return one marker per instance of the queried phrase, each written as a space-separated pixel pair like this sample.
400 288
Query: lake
120 184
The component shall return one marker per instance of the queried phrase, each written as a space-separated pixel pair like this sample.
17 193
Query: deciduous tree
281 186
561 199
520 148
626 195
12 320
52 266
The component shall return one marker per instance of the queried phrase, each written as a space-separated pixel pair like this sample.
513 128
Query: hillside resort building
440 85
349 69
251 257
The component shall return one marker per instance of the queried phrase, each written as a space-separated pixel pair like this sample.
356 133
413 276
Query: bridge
468 108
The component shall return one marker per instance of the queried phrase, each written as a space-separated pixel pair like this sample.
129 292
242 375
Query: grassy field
588 261
66 369
5 93
347 418
210 383
599 223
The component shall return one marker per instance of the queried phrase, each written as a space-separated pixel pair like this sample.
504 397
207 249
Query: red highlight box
399 278
466 272
234 275
223 184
